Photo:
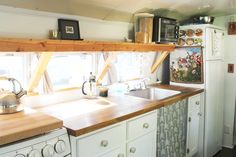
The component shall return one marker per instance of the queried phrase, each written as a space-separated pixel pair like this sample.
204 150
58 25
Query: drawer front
144 146
118 152
141 125
101 142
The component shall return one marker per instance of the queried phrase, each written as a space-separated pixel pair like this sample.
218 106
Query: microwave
165 30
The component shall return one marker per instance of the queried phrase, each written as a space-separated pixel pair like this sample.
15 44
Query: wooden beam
106 67
46 45
39 71
159 61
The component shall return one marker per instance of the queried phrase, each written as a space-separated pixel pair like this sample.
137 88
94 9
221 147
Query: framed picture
186 65
69 29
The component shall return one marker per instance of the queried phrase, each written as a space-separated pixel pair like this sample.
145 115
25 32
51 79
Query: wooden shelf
48 47
45 45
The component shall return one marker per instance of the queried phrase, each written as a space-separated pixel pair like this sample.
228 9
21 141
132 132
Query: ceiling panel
122 10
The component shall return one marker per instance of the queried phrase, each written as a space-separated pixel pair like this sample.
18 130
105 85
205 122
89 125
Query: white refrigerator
212 80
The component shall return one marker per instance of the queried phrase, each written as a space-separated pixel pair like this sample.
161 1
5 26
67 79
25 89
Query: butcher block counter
86 115
25 124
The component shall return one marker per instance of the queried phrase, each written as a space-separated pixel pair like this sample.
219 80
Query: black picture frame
69 29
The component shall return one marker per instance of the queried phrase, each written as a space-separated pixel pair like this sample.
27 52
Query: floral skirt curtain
172 130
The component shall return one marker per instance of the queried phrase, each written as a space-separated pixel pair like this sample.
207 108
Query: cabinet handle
145 125
197 103
189 119
104 143
200 114
120 155
132 150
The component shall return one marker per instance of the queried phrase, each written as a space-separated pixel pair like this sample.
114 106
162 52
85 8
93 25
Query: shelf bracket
106 67
39 70
159 61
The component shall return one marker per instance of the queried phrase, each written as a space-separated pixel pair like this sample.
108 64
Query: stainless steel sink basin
154 93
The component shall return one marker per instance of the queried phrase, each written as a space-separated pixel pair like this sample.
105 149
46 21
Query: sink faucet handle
143 82
127 87
143 85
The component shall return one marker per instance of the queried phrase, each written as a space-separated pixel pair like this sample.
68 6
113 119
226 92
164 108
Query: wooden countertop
86 115
25 124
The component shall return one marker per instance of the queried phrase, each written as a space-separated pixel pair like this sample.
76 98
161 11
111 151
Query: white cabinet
112 141
144 146
102 142
141 125
193 124
118 152
141 133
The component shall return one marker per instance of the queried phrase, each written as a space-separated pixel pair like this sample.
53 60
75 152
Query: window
72 69
13 65
69 70
134 65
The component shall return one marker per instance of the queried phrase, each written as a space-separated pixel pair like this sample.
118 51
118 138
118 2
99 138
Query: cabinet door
118 152
193 125
144 146
102 141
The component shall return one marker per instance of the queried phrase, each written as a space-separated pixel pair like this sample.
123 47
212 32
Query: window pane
69 70
135 65
12 65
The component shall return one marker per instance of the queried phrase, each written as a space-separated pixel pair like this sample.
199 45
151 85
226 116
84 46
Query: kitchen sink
153 93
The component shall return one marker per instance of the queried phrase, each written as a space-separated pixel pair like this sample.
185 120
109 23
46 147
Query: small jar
143 26
232 26
103 91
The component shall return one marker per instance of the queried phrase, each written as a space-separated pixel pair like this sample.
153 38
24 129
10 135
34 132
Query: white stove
52 144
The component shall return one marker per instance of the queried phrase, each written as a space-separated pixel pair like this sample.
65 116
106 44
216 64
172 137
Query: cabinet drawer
102 141
141 125
118 152
144 146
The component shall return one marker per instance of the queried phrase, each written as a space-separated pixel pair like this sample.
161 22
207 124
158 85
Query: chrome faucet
137 85
143 84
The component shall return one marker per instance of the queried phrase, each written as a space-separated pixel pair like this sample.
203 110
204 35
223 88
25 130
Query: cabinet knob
120 155
132 150
197 103
145 125
200 114
104 143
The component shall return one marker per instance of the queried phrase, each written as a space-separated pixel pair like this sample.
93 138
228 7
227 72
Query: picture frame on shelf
69 29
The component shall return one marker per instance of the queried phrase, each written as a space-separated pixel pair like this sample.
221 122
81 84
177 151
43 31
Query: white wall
230 82
22 23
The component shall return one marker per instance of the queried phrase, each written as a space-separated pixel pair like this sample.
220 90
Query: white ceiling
122 10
